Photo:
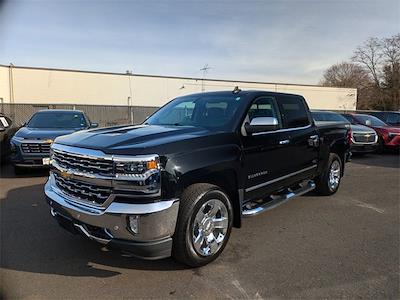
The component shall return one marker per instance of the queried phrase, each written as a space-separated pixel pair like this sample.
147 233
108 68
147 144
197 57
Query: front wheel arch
193 199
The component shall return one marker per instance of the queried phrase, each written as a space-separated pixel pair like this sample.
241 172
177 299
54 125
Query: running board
256 207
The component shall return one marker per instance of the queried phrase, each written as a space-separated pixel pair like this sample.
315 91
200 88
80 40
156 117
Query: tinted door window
263 107
294 112
393 118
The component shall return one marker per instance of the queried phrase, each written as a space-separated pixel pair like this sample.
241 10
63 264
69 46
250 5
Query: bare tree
369 55
391 50
381 58
374 71
345 74
351 75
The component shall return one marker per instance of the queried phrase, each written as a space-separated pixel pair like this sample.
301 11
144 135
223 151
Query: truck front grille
364 137
83 191
84 164
40 148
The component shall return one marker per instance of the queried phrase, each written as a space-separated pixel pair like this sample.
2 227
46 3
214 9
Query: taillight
350 136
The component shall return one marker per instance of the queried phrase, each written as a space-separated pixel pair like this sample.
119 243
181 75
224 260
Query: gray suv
30 146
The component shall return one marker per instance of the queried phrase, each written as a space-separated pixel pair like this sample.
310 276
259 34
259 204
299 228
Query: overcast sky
275 41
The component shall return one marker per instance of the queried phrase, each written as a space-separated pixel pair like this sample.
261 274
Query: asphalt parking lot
344 246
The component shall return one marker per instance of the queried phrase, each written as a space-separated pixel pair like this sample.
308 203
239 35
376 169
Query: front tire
381 146
329 181
204 225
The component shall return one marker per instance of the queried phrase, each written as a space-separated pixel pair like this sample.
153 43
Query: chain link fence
105 115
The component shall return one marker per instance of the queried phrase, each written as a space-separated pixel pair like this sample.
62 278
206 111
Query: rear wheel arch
340 151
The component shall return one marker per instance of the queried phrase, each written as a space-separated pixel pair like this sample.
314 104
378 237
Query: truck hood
145 139
41 133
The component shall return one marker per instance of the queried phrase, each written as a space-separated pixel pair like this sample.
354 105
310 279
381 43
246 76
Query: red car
389 136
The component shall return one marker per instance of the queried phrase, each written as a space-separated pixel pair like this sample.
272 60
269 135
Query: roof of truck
241 92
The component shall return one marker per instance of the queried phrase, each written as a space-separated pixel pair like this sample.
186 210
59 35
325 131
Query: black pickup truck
178 183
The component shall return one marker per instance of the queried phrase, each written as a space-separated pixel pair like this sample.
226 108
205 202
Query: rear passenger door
302 137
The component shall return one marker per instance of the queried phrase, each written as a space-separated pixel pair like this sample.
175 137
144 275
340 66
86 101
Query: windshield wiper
171 124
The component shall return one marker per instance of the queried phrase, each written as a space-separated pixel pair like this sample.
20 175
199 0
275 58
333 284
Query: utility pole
205 70
130 99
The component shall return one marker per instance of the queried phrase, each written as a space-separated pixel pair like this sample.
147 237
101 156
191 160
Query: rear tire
329 181
204 225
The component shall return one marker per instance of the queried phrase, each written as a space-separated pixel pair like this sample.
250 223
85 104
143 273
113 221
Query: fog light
134 223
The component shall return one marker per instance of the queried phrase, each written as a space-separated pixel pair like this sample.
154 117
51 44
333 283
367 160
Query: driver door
265 154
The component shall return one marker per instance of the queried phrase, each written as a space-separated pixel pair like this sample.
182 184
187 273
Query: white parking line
367 205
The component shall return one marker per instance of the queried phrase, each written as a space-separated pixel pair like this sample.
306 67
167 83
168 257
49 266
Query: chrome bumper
156 220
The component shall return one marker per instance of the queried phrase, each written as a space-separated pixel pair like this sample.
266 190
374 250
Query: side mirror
261 124
94 125
368 122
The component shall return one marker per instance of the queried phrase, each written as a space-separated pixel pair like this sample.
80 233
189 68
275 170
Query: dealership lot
346 245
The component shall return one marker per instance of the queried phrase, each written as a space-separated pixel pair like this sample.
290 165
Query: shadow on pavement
33 242
386 160
7 171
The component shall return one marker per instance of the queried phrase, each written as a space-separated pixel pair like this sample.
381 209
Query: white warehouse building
31 85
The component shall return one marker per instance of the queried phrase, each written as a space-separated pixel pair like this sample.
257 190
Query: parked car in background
388 136
363 139
391 118
30 146
7 130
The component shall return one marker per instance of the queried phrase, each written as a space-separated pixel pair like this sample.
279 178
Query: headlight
17 139
13 147
393 134
137 166
138 173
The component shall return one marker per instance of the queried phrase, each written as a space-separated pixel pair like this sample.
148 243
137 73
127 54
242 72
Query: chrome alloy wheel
334 175
210 227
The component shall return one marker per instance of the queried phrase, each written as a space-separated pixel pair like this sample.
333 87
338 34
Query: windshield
61 120
209 111
328 117
370 120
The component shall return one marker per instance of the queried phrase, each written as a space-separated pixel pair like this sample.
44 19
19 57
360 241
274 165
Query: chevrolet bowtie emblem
66 174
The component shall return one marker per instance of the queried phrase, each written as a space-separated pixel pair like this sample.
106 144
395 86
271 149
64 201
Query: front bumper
363 148
394 142
27 160
110 226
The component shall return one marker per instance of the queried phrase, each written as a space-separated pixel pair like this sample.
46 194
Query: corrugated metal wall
105 115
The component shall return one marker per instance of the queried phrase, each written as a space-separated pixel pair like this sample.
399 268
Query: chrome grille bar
91 193
364 138
36 148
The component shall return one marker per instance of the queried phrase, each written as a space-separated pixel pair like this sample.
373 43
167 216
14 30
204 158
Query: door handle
284 142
